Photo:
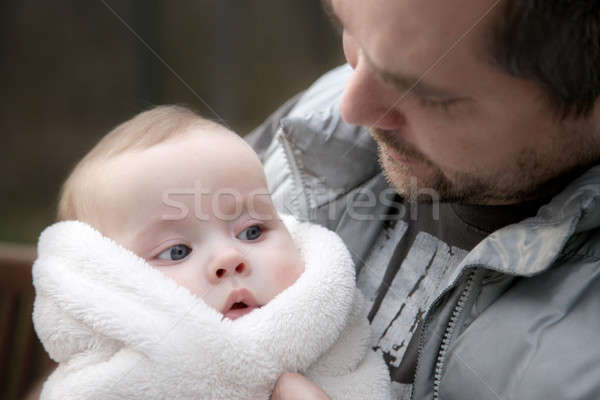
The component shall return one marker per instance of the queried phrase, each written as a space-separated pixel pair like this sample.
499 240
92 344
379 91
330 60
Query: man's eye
251 233
175 253
440 104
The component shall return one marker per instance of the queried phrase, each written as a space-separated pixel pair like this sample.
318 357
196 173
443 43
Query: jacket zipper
449 334
299 196
456 312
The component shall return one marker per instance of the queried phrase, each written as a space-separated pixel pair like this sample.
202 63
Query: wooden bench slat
23 360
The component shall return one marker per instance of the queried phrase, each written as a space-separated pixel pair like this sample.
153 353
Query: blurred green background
73 69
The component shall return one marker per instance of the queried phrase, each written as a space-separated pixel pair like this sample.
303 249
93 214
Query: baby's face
198 209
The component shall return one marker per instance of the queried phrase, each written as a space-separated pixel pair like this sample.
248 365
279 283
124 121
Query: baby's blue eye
175 253
251 233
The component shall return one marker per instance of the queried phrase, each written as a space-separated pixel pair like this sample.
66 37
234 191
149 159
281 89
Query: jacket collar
332 156
533 245
333 167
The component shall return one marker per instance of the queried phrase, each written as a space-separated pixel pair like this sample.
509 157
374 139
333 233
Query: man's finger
294 386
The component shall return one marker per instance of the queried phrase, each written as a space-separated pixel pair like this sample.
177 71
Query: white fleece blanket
120 329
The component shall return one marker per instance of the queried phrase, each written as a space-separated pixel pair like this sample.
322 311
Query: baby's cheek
187 279
287 259
288 273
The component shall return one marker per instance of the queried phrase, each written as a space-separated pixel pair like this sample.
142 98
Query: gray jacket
518 318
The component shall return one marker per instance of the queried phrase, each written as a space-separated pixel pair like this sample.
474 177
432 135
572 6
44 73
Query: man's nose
227 262
368 101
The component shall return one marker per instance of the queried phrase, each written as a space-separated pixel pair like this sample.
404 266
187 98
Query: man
490 107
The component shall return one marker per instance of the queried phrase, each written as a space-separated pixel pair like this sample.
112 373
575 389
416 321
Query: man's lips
400 158
239 302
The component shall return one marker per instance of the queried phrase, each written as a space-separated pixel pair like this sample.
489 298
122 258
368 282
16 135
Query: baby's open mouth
239 303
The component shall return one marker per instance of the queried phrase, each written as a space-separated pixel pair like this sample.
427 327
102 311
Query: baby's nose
229 262
223 271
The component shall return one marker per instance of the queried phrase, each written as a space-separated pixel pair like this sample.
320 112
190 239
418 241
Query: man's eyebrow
333 18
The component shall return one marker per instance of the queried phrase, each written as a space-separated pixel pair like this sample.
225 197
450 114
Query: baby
168 194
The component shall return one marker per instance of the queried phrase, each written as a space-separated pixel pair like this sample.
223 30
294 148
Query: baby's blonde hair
147 129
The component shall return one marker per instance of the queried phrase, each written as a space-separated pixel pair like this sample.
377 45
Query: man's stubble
529 176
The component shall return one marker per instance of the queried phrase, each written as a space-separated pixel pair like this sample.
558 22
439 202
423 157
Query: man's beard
423 181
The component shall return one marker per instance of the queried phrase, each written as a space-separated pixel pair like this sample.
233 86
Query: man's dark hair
555 43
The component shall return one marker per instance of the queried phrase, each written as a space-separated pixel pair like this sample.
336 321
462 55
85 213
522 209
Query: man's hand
294 386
